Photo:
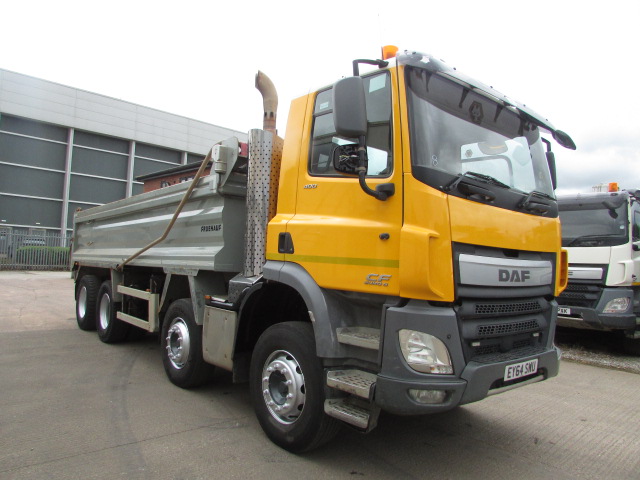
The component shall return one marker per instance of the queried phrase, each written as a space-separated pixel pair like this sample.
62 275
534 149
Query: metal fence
20 251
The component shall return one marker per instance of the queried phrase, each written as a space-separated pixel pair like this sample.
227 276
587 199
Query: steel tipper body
601 232
400 253
107 234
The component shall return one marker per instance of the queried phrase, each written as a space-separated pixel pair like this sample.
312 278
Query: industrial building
62 148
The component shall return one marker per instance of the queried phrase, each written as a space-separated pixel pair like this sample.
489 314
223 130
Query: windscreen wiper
477 176
587 237
541 194
532 205
471 190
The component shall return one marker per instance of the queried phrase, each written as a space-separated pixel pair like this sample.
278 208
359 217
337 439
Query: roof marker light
389 51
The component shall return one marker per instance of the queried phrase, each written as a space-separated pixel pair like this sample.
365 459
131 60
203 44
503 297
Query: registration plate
518 370
564 311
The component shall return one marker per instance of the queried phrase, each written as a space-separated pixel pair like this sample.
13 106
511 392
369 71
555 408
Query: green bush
45 256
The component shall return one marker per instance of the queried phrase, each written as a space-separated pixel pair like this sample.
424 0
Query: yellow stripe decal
365 262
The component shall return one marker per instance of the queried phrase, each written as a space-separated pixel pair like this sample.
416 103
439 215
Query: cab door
346 239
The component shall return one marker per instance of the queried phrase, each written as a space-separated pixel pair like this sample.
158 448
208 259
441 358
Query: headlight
617 305
425 353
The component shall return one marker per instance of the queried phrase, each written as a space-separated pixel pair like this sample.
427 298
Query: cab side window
324 139
635 230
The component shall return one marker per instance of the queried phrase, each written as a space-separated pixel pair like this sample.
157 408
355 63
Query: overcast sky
573 62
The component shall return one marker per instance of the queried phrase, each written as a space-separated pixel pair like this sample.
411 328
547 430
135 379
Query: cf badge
378 280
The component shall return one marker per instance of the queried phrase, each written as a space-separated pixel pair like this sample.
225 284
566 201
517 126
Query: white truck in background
601 232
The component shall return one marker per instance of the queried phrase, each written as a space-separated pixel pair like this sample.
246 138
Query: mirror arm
551 161
379 193
378 63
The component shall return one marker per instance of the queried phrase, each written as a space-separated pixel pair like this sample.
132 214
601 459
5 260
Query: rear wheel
182 347
110 329
287 388
86 297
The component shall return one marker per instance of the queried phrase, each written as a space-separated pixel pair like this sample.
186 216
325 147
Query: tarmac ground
72 407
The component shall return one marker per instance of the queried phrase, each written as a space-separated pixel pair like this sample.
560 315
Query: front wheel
182 347
287 388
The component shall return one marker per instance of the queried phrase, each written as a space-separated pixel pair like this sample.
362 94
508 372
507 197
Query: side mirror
564 139
350 121
612 208
350 108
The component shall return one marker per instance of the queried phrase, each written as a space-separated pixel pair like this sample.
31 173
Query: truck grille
578 288
498 319
501 327
507 328
580 295
511 308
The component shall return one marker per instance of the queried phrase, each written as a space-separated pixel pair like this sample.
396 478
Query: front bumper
593 318
470 382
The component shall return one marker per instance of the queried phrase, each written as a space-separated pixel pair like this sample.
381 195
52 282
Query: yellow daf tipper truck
398 251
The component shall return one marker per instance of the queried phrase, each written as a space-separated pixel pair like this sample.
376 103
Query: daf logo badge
513 276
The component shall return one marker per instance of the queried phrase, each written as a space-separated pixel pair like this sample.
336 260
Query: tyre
287 388
86 297
182 347
110 329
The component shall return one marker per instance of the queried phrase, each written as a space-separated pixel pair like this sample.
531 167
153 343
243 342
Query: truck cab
601 232
440 291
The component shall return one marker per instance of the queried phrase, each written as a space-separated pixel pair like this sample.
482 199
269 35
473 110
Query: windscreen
594 223
455 130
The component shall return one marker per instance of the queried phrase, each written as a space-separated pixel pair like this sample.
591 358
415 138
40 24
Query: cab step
364 337
355 415
355 382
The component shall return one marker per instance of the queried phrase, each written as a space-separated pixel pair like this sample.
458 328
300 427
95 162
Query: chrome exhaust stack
270 102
